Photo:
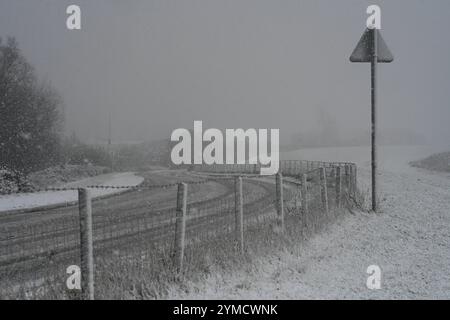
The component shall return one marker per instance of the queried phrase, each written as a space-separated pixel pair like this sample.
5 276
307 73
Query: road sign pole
374 117
372 48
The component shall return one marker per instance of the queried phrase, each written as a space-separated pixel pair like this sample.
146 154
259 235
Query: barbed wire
140 232
135 187
59 189
213 176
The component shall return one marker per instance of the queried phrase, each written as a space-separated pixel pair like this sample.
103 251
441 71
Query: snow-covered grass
39 199
408 240
62 174
436 162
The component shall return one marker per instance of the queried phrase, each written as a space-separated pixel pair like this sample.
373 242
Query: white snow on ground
39 199
409 240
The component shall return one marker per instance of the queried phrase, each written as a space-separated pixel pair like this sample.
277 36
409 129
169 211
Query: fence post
354 180
86 246
351 179
347 179
239 213
180 225
304 194
280 204
338 186
323 181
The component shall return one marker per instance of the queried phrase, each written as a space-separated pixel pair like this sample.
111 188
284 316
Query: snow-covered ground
39 199
409 240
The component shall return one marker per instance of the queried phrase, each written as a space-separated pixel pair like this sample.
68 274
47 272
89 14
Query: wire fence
126 240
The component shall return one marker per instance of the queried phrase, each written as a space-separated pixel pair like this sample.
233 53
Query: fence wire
134 238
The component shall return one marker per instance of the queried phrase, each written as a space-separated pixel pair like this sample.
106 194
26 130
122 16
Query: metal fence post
338 186
280 204
86 246
323 181
239 213
180 225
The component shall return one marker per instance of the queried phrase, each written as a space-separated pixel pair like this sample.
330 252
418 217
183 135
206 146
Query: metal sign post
372 48
373 83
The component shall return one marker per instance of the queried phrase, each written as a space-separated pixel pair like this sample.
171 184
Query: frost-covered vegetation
34 151
31 114
13 181
142 156
435 162
58 175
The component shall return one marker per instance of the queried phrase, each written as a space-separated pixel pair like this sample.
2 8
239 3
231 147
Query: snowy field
409 240
39 199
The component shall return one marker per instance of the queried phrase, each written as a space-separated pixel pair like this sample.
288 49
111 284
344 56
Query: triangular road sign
363 51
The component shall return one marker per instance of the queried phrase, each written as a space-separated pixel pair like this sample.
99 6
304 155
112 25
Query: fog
160 65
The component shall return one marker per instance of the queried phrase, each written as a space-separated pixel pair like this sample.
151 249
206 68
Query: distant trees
30 114
326 132
77 153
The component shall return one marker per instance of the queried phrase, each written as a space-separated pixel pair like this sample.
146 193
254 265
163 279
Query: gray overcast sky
159 65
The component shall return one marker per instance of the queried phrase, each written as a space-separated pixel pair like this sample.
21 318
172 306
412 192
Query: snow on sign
364 50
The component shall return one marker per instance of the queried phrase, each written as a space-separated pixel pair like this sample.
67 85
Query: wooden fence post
86 245
323 182
239 213
347 179
180 225
338 186
304 194
280 204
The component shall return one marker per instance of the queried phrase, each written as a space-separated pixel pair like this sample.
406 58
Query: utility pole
110 151
109 129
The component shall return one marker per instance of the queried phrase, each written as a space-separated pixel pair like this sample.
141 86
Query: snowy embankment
40 199
409 240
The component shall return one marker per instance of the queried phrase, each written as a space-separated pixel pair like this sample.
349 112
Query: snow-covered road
409 240
40 199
